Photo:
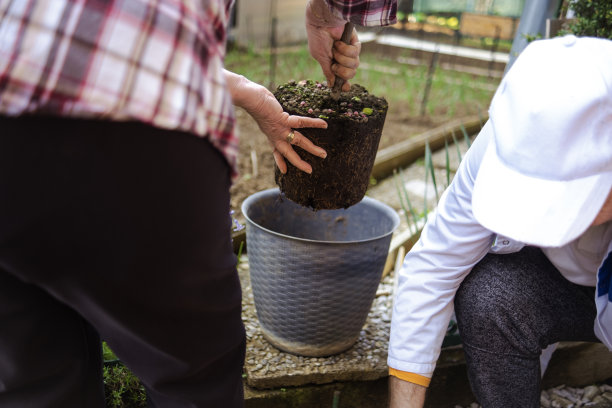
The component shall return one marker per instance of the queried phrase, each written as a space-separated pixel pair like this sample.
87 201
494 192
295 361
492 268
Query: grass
452 93
122 389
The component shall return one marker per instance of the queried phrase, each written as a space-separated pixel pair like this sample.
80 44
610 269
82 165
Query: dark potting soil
355 122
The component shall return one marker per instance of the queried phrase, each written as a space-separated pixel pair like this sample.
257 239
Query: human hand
276 124
279 127
324 32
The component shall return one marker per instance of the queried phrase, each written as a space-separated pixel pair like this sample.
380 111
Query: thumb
325 61
329 75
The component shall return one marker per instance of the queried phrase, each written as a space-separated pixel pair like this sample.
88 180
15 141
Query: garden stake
430 74
346 38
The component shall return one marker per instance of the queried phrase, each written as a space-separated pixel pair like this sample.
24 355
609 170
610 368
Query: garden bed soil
354 126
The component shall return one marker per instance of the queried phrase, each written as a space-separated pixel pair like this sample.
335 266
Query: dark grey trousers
117 231
509 308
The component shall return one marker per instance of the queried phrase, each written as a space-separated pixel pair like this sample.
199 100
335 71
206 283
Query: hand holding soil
279 127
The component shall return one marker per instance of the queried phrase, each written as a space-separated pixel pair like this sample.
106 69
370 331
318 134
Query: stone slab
578 364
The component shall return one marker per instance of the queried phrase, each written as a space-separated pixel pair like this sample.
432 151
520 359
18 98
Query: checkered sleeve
369 13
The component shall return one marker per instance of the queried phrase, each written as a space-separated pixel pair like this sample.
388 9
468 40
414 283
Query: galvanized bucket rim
253 197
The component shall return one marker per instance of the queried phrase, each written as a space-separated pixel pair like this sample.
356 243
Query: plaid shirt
155 61
365 12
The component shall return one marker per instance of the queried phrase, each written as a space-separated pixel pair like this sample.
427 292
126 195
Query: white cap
548 168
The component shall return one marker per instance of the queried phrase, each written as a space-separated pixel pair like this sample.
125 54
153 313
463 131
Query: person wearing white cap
521 241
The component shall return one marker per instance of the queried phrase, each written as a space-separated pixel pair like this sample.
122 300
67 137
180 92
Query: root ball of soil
355 124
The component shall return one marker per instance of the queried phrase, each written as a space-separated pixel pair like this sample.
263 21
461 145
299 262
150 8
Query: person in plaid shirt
117 151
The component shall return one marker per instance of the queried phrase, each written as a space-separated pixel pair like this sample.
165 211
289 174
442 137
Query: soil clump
355 123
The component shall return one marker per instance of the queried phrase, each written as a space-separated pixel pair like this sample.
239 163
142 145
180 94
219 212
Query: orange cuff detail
410 377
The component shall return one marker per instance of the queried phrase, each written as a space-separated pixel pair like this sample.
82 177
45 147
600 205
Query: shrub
121 388
593 18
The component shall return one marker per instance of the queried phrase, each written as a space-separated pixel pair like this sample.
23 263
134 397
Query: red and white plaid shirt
369 13
156 61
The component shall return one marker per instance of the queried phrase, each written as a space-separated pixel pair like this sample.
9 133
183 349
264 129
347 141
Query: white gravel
592 396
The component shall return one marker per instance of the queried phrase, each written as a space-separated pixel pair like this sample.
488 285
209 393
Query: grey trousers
508 309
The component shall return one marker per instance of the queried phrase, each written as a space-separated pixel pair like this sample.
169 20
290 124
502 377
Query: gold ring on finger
290 137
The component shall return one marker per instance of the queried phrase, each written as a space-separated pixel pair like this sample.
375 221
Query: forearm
404 394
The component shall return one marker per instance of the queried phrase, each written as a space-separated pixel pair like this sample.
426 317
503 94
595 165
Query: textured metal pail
314 274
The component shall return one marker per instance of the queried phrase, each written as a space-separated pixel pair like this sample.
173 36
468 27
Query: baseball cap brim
546 213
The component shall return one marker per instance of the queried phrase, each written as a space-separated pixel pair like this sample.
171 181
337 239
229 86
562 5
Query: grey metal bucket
314 275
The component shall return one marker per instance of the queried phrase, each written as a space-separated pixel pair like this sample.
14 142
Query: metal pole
533 22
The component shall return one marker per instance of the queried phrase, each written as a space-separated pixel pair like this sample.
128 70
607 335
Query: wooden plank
554 25
482 25
406 152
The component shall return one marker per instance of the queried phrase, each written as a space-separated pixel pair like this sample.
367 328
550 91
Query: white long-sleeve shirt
451 243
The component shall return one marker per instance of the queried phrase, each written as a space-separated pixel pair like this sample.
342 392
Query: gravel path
592 396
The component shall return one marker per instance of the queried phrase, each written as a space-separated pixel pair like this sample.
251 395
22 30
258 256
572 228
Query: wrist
318 13
245 94
404 394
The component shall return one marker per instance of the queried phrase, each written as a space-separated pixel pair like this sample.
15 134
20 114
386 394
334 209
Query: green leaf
447 162
240 248
405 202
456 145
466 136
429 167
